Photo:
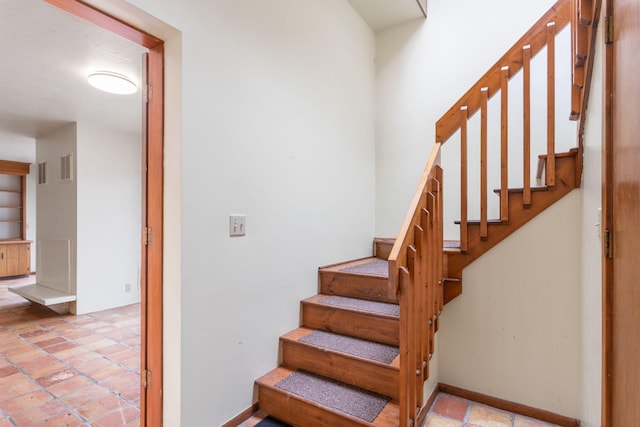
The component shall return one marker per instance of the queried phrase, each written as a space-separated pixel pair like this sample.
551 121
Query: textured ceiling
46 58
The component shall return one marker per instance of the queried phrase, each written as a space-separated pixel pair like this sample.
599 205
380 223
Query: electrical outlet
237 225
127 287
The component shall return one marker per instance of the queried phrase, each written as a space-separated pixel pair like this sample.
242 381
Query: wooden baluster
464 239
551 105
504 144
405 367
440 273
526 133
420 277
484 97
411 291
427 306
431 202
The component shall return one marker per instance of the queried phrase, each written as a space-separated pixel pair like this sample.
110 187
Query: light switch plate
237 225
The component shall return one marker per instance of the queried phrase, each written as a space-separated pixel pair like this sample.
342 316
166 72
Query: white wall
591 249
277 107
108 218
515 332
56 200
19 148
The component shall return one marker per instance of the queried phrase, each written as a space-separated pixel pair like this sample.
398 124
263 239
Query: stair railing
416 262
415 275
496 81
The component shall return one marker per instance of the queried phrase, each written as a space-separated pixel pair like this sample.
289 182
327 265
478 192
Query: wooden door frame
607 224
151 354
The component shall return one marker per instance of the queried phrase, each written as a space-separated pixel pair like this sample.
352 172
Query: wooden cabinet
15 257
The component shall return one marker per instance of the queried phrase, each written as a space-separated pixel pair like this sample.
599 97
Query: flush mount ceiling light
112 83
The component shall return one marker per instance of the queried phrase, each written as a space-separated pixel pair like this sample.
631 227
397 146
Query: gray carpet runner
343 397
363 305
375 267
366 349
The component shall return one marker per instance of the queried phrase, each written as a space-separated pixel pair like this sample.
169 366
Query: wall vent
66 163
42 173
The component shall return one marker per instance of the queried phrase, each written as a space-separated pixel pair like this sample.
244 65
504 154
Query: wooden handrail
398 254
536 37
416 276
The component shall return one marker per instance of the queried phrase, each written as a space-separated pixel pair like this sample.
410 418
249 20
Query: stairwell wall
277 110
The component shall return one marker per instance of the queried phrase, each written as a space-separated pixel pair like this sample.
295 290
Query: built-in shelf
42 294
15 251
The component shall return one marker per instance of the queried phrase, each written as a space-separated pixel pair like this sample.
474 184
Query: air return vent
42 173
66 163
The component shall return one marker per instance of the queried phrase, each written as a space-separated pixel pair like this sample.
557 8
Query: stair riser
376 377
382 329
382 247
293 410
354 286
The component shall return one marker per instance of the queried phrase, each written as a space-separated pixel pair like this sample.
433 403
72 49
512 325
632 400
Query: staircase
348 344
361 355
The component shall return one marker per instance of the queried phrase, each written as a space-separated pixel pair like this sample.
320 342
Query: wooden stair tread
368 279
520 190
477 222
359 323
339 267
382 311
298 333
298 410
571 153
341 364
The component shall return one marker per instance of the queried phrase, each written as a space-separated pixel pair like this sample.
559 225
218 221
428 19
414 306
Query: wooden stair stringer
518 216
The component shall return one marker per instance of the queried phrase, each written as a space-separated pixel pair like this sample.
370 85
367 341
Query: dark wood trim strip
506 405
607 224
108 22
242 416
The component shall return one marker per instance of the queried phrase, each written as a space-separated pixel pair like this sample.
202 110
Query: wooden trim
607 224
154 250
484 96
551 105
504 144
106 21
463 180
152 254
427 406
9 167
526 108
509 406
242 416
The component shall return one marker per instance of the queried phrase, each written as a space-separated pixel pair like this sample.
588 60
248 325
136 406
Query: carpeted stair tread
373 267
333 394
271 422
383 308
365 349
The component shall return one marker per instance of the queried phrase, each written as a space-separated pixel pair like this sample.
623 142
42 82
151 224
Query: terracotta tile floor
66 370
451 411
